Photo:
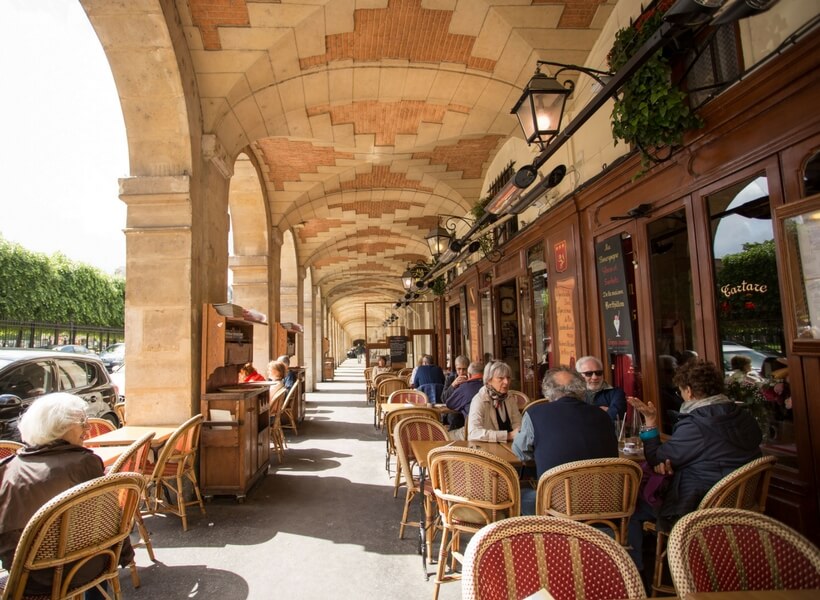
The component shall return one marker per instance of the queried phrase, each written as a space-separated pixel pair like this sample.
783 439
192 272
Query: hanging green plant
649 113
438 285
478 210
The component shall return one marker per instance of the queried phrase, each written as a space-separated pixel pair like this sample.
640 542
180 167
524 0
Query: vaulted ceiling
370 117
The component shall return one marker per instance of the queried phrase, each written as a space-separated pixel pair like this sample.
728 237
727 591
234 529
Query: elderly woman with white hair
494 414
53 460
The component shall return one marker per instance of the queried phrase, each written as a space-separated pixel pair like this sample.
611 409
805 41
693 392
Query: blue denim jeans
643 512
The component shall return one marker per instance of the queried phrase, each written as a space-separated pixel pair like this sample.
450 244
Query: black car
28 374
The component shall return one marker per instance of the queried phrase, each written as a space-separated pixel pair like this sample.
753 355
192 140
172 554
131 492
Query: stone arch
250 245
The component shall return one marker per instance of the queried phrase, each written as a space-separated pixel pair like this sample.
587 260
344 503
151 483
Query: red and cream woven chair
7 448
473 488
87 522
600 491
98 427
728 549
134 460
176 462
520 397
405 431
408 396
746 487
390 421
514 558
384 387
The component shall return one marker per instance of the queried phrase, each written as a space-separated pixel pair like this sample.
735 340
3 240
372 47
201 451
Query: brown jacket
30 479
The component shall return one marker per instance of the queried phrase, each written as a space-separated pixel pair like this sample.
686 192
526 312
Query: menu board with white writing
612 286
398 348
565 321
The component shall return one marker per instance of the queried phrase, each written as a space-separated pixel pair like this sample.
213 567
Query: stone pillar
159 314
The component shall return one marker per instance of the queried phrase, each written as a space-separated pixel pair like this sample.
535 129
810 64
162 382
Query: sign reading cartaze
612 285
398 348
743 287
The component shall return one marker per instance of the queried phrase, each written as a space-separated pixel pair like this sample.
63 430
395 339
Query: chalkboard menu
609 263
398 348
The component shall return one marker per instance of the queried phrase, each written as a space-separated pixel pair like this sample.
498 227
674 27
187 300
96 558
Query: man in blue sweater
563 430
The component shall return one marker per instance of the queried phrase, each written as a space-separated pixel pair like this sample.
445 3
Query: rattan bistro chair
408 396
520 397
98 427
514 558
407 430
289 409
728 549
134 460
368 382
176 462
7 448
473 488
746 487
384 387
277 435
88 522
390 421
600 491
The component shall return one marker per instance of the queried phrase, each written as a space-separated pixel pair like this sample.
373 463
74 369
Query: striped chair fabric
514 558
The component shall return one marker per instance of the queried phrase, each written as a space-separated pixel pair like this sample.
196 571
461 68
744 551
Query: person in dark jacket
599 393
563 430
456 378
712 437
461 397
53 460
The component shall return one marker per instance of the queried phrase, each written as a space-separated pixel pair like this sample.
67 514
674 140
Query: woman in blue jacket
712 437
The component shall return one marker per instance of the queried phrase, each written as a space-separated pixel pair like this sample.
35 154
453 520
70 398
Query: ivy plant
649 113
439 285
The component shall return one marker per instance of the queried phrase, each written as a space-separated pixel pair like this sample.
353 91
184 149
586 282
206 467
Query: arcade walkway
322 525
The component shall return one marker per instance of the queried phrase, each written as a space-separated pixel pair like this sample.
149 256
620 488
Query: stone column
159 313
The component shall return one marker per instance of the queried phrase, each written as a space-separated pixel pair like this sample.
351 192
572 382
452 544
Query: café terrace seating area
329 518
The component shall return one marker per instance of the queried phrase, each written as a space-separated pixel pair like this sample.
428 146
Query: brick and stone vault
367 118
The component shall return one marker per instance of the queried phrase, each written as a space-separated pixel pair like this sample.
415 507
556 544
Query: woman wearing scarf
494 416
712 437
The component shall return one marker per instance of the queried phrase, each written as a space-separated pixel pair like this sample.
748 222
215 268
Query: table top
129 434
109 454
503 450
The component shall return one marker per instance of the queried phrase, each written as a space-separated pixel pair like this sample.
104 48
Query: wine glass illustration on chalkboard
616 321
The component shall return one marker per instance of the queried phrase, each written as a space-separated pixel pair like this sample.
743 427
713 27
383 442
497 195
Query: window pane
749 314
672 304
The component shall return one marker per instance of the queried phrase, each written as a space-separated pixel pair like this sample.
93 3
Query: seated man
563 430
461 397
456 378
428 372
599 392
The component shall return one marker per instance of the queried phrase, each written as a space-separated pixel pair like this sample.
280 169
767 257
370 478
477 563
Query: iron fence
30 334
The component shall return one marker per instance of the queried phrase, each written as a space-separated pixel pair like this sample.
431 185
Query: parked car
75 348
118 379
28 374
113 356
731 349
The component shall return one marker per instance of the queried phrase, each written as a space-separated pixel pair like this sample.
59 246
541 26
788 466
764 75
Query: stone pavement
322 525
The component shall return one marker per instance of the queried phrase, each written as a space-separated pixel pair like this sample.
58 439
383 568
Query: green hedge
37 287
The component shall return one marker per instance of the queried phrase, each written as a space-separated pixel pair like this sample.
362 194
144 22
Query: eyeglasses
591 373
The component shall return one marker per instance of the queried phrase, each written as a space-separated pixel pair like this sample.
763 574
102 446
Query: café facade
711 252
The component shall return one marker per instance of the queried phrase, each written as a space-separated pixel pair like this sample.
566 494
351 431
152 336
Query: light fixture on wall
438 240
540 108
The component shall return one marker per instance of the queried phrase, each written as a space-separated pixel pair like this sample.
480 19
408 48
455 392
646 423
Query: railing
30 334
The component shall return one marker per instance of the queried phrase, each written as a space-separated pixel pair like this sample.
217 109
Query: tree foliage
37 287
747 283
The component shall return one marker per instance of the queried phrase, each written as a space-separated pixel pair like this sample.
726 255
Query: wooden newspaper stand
234 449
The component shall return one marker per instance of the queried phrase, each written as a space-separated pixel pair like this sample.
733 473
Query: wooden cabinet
234 454
234 449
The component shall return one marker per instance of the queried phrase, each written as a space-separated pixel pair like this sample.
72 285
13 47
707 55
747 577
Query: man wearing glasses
599 392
